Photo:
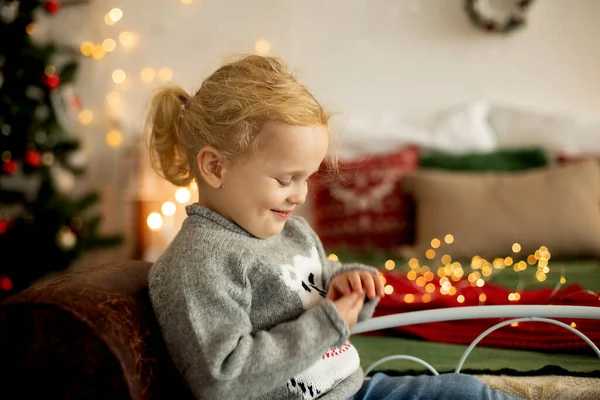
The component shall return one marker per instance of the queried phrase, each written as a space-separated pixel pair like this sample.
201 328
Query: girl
247 301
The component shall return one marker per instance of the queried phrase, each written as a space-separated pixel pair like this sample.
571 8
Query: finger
369 285
354 279
342 286
331 293
379 286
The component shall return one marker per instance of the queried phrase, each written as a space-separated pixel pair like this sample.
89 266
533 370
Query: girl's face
261 193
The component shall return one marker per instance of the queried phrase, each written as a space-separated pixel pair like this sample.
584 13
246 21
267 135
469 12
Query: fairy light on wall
85 117
109 45
114 138
154 221
165 74
262 47
119 76
125 40
168 208
182 195
147 75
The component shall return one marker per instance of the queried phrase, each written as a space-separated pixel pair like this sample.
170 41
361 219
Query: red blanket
526 335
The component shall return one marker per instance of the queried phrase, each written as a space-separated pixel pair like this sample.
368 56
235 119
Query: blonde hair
227 112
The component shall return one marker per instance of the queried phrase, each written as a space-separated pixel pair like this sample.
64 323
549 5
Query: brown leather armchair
86 335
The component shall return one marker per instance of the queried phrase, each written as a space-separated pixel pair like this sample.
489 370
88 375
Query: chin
271 232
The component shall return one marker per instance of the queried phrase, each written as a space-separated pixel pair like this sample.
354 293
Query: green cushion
506 160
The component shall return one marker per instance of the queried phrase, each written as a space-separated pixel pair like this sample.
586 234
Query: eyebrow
301 172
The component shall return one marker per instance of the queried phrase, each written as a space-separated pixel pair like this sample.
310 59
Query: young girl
248 303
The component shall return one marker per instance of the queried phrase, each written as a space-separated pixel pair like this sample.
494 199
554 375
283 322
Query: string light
85 117
154 221
119 76
115 14
435 243
126 38
183 195
98 52
107 20
390 265
109 45
262 47
114 138
147 75
333 257
168 208
450 276
165 74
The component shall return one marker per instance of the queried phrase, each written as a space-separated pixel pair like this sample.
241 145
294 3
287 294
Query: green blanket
444 358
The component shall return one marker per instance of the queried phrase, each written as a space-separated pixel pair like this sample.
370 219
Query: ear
210 163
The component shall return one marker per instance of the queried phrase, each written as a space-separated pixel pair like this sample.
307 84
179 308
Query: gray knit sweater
246 318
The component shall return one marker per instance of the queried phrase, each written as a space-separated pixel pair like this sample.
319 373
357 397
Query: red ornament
10 167
3 227
52 81
52 6
5 283
33 158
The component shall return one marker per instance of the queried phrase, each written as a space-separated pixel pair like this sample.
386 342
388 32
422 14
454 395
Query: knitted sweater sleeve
203 312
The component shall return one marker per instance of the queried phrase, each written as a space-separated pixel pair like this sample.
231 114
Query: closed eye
284 183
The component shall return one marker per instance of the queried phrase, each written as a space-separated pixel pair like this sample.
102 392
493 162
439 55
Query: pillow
556 207
501 160
368 208
517 128
461 129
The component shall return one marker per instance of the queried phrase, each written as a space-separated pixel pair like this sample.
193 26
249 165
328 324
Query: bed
534 374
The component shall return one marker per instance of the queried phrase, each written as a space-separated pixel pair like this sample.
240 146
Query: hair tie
188 101
185 105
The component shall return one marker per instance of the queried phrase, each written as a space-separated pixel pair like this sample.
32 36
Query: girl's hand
349 307
361 282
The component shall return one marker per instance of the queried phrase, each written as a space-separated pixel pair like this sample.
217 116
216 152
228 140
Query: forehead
287 146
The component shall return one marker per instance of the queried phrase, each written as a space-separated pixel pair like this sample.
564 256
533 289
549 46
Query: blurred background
423 78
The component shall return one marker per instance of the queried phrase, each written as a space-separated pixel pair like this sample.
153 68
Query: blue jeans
439 387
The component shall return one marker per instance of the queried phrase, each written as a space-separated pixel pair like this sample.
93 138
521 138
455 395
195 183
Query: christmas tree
44 226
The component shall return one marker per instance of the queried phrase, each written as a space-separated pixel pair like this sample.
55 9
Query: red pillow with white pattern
368 208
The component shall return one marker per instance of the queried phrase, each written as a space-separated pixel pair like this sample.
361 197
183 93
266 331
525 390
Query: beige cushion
556 207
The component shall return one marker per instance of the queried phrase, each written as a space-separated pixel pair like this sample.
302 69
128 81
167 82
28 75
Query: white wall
361 57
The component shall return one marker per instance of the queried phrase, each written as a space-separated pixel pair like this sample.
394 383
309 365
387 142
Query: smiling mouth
282 214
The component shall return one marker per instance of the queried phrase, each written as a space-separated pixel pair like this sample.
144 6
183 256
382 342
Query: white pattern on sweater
338 362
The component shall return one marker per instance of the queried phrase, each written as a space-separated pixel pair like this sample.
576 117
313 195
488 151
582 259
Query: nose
298 196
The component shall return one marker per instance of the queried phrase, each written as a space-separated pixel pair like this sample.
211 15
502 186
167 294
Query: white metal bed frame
518 313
